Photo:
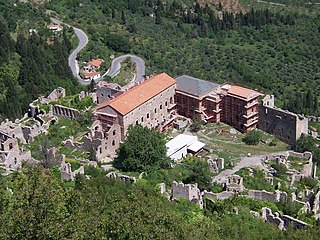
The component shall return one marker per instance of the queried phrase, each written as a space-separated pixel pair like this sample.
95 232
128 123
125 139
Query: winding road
115 65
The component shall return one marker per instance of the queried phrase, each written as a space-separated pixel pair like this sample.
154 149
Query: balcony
251 123
250 115
171 106
249 105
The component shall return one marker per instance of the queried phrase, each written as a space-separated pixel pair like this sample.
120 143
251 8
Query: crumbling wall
263 195
221 196
190 192
65 112
285 125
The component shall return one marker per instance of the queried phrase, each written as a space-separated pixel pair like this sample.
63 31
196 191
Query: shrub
252 138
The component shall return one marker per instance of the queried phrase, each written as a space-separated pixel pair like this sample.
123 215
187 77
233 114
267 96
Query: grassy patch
227 143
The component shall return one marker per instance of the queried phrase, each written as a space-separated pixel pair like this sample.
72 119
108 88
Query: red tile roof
89 74
137 95
243 92
96 62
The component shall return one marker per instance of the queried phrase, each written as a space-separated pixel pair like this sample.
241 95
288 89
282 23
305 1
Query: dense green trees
143 149
34 204
32 65
274 51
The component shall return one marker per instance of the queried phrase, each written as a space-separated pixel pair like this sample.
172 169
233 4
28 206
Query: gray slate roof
195 86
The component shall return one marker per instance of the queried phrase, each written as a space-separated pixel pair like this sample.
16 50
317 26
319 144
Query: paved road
116 63
140 66
83 40
254 161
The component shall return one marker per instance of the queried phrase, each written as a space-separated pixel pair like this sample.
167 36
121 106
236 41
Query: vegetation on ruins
35 204
143 149
307 143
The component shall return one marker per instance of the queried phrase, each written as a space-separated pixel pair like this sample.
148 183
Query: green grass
315 125
230 146
56 134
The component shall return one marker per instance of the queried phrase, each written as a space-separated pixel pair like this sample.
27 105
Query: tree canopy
143 149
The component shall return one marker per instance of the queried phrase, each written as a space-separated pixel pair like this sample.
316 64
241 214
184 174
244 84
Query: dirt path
254 161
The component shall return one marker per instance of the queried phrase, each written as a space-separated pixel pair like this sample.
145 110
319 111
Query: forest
273 50
35 204
32 63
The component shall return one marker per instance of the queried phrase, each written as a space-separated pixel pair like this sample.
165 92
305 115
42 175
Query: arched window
113 143
114 132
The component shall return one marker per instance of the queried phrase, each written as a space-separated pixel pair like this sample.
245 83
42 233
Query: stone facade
103 142
234 184
107 91
285 125
150 104
11 156
190 192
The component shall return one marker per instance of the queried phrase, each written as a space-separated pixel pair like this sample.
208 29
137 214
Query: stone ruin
191 192
104 143
215 164
55 95
306 169
66 172
282 222
65 112
84 94
11 155
123 178
263 195
234 184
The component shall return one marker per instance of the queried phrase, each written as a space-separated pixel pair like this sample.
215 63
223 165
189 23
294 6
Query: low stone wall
220 196
282 222
263 195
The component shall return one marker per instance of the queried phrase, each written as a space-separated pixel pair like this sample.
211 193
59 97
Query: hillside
33 60
274 50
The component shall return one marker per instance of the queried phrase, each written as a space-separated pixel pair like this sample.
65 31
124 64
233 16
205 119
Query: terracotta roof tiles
243 92
137 95
96 62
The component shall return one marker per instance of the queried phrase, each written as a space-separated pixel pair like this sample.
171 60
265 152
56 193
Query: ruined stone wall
283 124
105 93
190 192
282 222
66 112
104 143
267 196
220 196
